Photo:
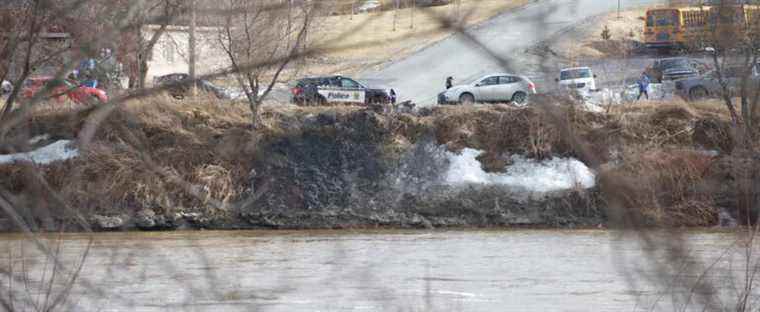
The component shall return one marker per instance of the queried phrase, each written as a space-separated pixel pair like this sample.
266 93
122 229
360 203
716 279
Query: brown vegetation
173 157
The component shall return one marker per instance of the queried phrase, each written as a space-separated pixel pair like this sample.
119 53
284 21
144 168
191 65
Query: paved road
421 76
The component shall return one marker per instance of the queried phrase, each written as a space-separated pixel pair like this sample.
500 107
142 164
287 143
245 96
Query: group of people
103 72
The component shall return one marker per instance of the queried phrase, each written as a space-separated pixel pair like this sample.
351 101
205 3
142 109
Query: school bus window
664 21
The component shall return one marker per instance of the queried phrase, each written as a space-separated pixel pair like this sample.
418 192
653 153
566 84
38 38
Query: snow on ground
524 174
596 101
60 150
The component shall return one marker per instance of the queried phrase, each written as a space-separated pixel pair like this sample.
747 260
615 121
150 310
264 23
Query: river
504 270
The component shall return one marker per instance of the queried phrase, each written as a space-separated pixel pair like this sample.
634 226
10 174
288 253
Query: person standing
643 84
85 73
449 82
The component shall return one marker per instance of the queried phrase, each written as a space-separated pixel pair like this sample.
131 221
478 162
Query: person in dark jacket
449 82
393 96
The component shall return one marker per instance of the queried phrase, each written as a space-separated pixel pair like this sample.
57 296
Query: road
420 77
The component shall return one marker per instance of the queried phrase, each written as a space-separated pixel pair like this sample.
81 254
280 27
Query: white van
580 79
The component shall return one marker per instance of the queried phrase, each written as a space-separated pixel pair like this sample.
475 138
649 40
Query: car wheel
318 101
697 93
467 99
520 99
177 95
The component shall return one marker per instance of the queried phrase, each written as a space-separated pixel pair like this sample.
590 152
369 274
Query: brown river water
507 270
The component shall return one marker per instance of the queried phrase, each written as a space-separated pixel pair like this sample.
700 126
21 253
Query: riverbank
159 164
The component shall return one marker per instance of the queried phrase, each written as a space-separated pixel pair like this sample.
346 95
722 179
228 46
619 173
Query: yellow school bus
697 26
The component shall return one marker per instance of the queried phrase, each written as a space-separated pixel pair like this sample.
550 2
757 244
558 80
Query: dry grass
372 40
664 185
498 130
154 153
586 40
700 109
172 156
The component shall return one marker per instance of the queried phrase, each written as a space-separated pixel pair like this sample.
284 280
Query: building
171 52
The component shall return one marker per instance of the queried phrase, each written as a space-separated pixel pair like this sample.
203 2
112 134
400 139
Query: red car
62 88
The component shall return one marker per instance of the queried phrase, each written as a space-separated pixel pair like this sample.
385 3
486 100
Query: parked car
708 85
178 86
6 87
579 79
369 5
432 2
336 89
61 89
675 68
498 87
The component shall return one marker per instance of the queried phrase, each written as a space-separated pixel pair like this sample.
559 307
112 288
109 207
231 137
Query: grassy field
351 43
586 40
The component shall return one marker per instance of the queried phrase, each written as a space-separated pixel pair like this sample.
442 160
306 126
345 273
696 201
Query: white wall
170 54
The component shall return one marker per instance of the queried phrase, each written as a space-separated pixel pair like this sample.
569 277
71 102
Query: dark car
708 85
336 89
675 68
178 85
432 2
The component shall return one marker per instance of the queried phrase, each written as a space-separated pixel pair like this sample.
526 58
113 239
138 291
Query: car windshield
670 63
348 83
28 83
575 74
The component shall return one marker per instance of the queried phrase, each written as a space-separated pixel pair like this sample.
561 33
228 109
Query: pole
395 15
414 6
290 16
191 53
618 11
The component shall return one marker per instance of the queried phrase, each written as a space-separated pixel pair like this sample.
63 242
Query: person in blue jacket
643 84
85 73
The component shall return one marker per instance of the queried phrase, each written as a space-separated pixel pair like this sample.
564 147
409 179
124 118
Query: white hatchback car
498 87
579 79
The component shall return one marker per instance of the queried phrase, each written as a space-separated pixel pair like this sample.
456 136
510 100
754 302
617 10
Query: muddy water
366 271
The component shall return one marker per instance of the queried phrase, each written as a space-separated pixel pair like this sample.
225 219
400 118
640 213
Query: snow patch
595 101
60 150
526 174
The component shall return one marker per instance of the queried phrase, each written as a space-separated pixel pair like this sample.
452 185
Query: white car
498 87
370 5
579 79
6 87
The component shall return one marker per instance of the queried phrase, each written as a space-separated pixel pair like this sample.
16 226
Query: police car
336 89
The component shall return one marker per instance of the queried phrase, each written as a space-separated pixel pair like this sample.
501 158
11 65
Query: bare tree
258 49
22 50
166 11
734 36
